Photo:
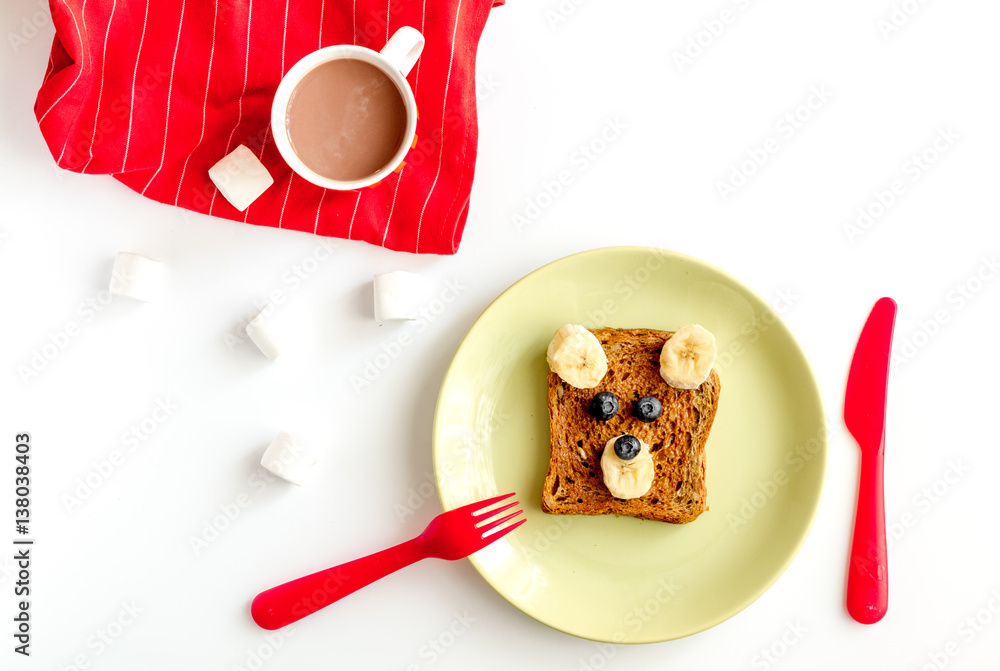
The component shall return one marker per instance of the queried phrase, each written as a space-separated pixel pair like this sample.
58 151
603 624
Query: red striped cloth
154 93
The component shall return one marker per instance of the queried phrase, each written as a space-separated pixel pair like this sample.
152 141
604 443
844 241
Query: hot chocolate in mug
344 116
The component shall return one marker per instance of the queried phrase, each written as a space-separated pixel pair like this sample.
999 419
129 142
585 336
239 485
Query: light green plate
620 579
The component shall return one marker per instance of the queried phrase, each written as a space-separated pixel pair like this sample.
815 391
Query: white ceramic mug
395 61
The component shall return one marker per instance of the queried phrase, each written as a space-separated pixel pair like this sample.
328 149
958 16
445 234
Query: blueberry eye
627 447
604 406
648 408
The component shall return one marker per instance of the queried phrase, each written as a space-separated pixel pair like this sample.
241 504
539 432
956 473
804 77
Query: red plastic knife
864 414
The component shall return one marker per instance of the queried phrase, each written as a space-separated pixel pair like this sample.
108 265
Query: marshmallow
288 460
263 335
240 177
137 277
397 295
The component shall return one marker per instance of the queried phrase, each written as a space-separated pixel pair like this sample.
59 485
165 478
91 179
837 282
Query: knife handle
867 576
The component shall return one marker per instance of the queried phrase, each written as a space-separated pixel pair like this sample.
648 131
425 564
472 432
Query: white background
554 76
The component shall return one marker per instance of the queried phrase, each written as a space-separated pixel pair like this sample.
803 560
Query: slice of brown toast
574 484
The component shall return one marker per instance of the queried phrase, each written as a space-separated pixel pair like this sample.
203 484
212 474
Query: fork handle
867 577
292 601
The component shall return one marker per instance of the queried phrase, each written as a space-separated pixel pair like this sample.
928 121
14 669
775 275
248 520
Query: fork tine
485 515
496 532
489 525
479 507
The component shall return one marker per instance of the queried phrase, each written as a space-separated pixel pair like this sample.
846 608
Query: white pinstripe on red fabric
170 89
291 176
100 87
204 105
423 15
444 107
260 157
399 176
135 73
267 129
392 208
350 226
322 196
239 118
322 10
288 190
79 70
83 19
284 38
354 22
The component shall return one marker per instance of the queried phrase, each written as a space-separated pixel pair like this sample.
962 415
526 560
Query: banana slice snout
576 355
687 357
627 478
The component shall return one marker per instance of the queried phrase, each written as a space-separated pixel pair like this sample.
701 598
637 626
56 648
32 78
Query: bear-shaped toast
586 422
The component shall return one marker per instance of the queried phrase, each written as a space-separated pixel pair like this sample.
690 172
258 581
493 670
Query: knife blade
864 415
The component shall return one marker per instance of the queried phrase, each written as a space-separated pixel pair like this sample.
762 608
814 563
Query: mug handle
403 49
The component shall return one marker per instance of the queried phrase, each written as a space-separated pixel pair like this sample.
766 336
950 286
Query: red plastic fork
451 535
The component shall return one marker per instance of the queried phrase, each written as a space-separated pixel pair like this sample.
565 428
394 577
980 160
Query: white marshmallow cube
289 460
264 335
397 295
240 177
136 277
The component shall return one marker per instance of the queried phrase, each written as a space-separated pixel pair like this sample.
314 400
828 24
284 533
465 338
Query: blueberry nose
627 447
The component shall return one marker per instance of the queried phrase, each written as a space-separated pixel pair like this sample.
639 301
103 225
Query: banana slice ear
577 356
687 357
